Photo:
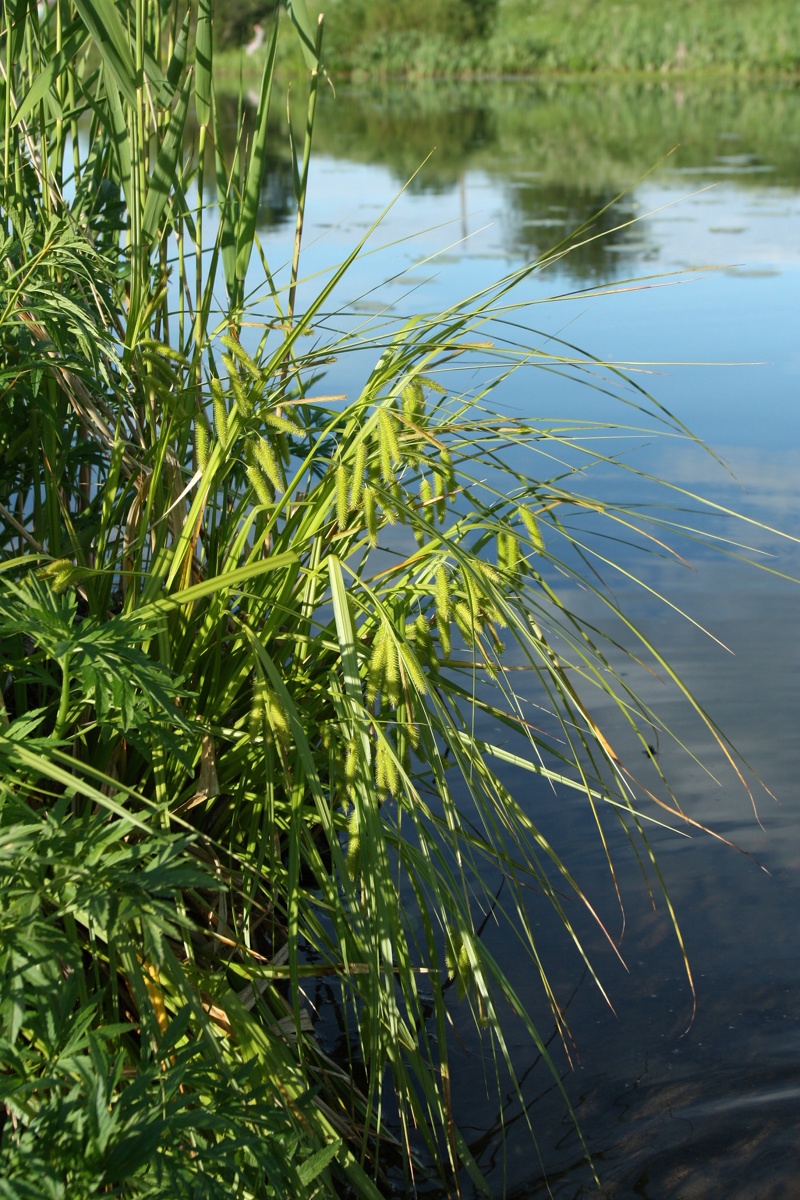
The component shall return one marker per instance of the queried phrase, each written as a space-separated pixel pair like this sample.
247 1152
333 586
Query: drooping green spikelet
277 716
398 497
388 510
490 612
444 637
61 574
410 729
388 445
392 773
352 762
500 542
236 385
255 722
376 666
410 664
353 856
152 349
456 959
441 594
381 782
508 554
220 411
533 529
270 464
392 681
387 777
371 514
385 454
413 400
423 642
268 715
342 496
260 484
426 496
359 467
447 469
281 423
241 356
258 710
245 399
466 620
432 385
201 440
440 489
489 573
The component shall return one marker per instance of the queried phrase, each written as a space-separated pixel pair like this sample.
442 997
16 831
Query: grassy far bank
583 37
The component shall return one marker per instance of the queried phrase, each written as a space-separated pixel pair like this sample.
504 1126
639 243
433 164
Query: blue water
701 304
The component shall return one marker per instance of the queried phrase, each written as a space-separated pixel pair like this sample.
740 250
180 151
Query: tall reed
241 714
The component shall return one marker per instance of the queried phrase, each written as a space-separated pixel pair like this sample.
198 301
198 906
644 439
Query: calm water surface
670 1106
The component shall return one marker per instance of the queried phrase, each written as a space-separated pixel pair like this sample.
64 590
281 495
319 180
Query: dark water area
676 1096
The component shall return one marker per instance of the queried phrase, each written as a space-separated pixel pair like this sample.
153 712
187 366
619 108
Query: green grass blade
306 29
74 37
101 18
256 167
162 181
203 61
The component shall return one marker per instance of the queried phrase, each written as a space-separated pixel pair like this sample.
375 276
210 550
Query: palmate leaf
128 691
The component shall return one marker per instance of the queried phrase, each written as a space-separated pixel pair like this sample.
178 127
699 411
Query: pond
671 1103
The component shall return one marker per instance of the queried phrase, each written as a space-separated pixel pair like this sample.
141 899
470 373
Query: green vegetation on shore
534 37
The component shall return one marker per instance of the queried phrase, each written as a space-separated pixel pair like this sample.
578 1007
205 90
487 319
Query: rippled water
671 1104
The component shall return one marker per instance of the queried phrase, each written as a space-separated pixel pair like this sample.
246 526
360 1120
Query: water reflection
667 1113
237 121
563 153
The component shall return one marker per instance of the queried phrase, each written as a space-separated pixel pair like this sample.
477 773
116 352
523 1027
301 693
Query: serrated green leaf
316 1163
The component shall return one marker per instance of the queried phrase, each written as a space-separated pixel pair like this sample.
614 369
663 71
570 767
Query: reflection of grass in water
564 150
582 134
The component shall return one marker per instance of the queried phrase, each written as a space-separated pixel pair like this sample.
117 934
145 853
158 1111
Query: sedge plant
261 652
